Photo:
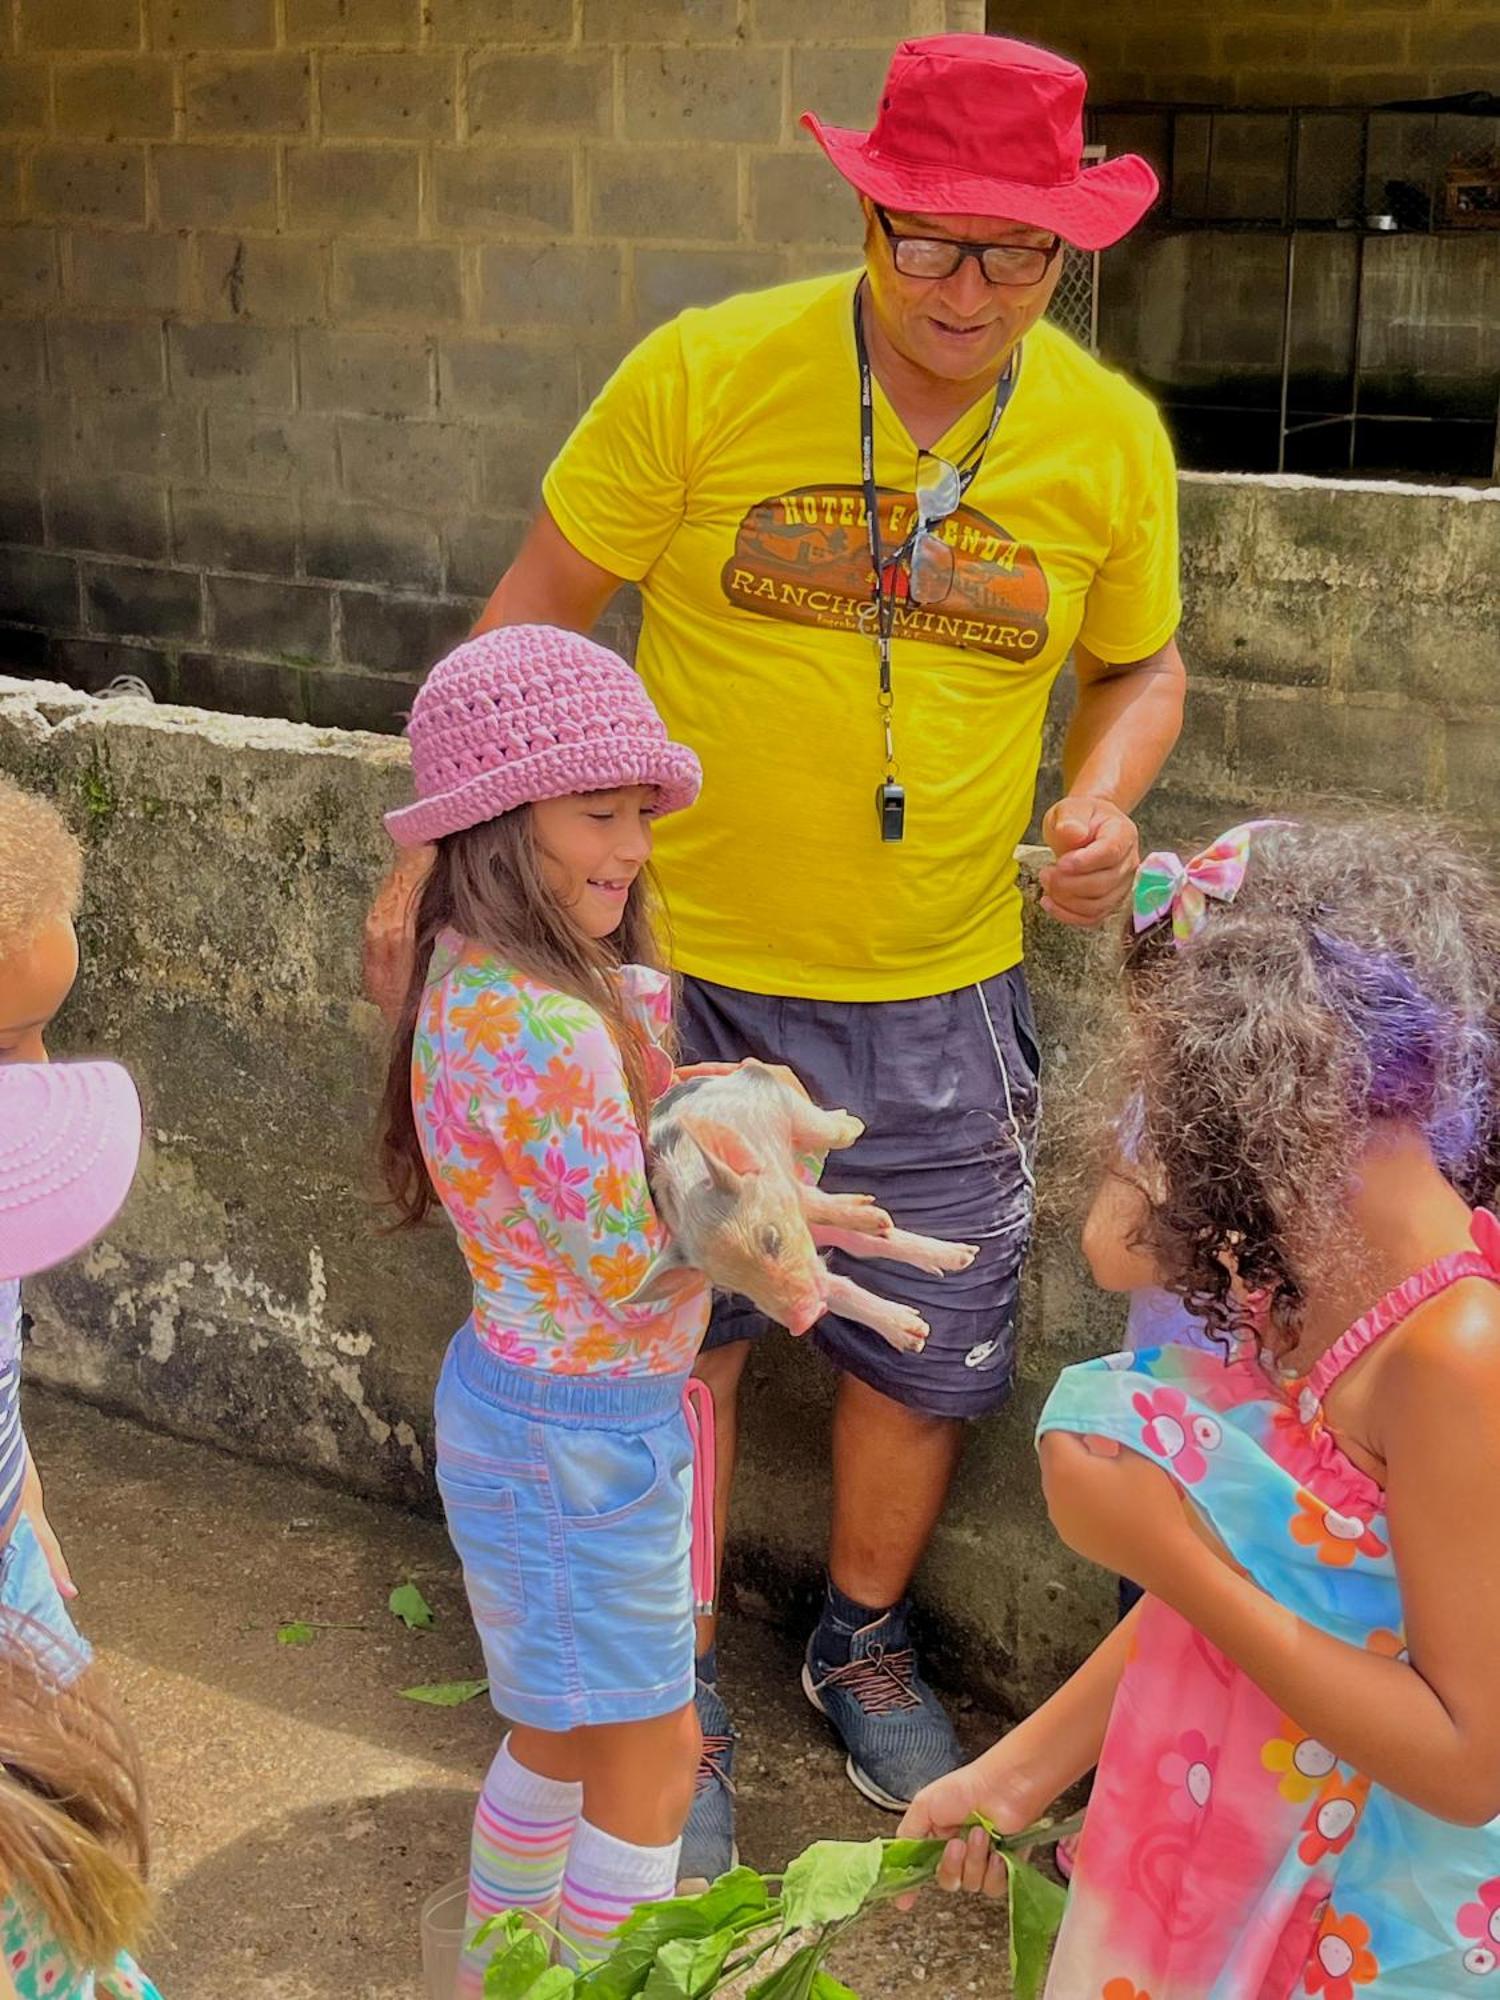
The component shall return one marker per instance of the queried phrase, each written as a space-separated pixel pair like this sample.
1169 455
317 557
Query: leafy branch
692 1947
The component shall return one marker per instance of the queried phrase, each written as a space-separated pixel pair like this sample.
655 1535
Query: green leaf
832 1879
826 1987
1036 1912
906 1865
689 1967
798 1978
297 1633
411 1607
517 1968
737 1901
445 1694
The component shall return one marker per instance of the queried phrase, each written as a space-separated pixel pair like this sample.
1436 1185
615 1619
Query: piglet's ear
669 1276
726 1153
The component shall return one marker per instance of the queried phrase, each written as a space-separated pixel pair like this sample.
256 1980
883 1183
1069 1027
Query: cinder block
375 702
293 621
23 98
38 588
369 545
117 517
128 273
400 635
517 192
242 687
10 185
270 454
540 96
246 366
551 284
365 21
514 461
125 97
140 603
211 24
21 357
504 380
659 21
142 435
90 183
28 267
215 187
883 21
241 531
92 664
842 85
247 93
644 192
80 24
389 96
422 465
21 515
472 23
281 280
668 280
1295 750
366 374
352 188
479 548
1473 757
703 94
98 358
420 282
799 198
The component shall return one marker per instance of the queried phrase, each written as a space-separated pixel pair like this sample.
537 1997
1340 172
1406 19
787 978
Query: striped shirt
12 1438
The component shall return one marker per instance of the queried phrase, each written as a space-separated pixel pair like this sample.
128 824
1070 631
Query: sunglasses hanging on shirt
926 558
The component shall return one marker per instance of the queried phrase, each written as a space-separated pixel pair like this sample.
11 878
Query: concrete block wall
297 297
1268 51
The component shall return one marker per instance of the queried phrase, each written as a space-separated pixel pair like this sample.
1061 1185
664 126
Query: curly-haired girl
1297 1741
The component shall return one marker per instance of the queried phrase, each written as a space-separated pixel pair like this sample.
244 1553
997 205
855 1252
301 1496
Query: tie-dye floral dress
40 1969
1228 1855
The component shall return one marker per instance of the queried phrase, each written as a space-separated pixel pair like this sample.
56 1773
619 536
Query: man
844 898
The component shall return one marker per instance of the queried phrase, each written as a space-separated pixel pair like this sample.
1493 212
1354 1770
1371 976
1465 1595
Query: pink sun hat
529 712
981 125
70 1137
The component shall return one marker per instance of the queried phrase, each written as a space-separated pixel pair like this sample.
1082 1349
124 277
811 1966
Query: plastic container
443 1917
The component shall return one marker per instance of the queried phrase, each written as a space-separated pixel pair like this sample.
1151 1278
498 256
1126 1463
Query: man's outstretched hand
1097 850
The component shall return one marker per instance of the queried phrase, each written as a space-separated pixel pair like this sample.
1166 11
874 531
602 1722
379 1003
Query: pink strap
1483 1261
698 1407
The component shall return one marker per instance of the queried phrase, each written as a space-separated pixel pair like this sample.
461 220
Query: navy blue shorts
947 1089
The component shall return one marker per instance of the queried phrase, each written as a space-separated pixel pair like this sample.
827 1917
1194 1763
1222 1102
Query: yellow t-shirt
720 469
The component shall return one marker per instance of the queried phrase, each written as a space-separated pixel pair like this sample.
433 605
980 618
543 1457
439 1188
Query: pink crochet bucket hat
70 1136
532 712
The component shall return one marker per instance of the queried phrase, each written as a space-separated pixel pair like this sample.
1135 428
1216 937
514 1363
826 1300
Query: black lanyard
890 795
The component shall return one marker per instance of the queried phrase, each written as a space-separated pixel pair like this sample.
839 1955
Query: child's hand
1116 1508
388 945
938 1812
778 1070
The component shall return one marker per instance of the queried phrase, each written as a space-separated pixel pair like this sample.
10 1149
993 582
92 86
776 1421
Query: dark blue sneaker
891 1723
708 1849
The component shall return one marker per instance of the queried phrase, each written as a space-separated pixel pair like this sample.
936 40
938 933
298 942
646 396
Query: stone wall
298 296
1266 51
1345 642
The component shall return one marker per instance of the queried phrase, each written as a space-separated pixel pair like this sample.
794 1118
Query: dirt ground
303 1810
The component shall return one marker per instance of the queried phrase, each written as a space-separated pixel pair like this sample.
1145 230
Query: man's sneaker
708 1849
892 1724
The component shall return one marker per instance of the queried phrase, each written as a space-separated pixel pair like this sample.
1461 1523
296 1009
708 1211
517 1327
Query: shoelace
881 1682
710 1765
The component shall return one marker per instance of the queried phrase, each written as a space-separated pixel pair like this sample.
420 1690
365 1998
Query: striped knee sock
522 1826
605 1880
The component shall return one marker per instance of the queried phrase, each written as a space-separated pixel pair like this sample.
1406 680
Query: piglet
723 1172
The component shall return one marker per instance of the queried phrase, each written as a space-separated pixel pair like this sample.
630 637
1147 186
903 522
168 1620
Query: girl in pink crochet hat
529 1049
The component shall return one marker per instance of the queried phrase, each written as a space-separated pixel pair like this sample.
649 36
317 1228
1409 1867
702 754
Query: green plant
695 1946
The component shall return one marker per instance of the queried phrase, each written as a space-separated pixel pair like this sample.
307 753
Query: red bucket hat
976 125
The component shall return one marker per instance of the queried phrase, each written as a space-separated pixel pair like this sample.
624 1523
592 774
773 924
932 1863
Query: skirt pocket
483 1528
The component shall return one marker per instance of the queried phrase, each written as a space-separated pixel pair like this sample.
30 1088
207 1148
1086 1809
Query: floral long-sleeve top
531 1140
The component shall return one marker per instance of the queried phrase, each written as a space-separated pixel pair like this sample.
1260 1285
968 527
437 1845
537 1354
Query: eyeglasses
940 256
930 560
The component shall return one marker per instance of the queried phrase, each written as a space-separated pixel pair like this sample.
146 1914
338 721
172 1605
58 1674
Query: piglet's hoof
906 1331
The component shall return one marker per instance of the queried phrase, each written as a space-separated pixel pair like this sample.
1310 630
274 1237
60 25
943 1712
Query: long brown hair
487 884
72 1814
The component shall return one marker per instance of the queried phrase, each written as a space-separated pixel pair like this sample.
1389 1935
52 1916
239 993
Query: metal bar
1359 289
1286 348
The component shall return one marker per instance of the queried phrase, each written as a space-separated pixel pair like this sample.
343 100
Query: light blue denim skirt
569 1501
39 1618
